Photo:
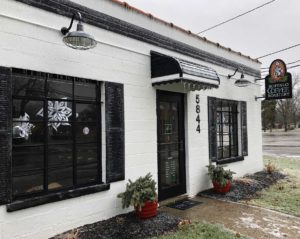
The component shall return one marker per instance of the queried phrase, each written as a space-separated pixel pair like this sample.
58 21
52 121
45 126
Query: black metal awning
167 69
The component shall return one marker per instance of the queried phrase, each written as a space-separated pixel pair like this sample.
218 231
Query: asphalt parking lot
280 143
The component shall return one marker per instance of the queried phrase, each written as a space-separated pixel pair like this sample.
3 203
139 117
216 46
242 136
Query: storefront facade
76 125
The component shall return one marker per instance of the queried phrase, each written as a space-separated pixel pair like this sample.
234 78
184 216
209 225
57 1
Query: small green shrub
219 174
138 192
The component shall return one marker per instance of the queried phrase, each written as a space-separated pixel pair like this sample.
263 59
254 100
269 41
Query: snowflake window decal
23 129
59 112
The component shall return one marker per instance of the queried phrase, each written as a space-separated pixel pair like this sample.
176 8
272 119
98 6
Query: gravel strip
125 226
246 188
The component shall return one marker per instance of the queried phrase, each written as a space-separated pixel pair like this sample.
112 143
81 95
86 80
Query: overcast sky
271 28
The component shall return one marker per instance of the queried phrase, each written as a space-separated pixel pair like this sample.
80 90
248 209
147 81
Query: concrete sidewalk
253 222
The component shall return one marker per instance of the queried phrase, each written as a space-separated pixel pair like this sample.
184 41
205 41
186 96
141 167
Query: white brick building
137 97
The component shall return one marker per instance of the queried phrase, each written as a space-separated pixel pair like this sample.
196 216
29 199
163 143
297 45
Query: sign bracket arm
259 97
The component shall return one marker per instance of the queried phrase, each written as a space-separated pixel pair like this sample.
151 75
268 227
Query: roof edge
104 21
188 32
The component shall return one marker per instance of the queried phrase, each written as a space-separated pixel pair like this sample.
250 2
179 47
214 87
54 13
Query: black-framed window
227 130
56 128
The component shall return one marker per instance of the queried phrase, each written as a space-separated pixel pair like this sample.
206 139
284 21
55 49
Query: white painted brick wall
30 39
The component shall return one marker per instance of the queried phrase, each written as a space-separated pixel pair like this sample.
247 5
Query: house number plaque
198 113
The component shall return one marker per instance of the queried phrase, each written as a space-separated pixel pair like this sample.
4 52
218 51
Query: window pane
227 129
59 111
87 173
28 133
86 132
220 150
34 136
27 110
60 88
60 132
60 178
225 118
60 156
85 90
86 112
219 140
86 153
28 183
219 118
226 152
234 151
28 86
27 159
234 108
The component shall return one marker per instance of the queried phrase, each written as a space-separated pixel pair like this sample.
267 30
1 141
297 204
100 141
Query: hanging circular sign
277 70
278 84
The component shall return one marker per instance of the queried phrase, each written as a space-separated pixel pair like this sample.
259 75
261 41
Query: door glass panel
168 145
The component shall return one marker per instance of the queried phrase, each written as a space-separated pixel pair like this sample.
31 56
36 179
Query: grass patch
283 163
200 230
284 196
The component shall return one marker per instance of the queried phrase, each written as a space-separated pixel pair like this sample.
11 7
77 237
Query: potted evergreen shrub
220 178
142 195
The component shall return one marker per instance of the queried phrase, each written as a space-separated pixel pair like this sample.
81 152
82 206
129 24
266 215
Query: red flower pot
221 189
148 210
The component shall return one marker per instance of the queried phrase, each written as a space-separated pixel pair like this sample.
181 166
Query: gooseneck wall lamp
78 39
242 82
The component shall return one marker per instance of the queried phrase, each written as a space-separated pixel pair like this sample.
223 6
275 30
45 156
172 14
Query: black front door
170 145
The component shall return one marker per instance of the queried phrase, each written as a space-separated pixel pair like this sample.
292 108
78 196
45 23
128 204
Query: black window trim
212 106
37 200
45 196
230 104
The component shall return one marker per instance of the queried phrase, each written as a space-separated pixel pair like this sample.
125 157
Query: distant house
76 125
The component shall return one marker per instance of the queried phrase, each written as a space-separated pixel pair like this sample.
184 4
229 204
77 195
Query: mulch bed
125 226
247 187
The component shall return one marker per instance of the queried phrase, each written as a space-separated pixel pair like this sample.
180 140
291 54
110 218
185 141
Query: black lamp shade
242 83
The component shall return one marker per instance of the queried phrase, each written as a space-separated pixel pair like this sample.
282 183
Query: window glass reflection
87 173
28 86
26 110
28 183
86 153
60 88
86 112
60 178
50 141
85 90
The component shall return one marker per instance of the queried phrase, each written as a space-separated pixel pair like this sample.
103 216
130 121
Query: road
280 143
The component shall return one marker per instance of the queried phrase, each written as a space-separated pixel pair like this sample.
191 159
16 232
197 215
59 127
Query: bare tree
288 109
